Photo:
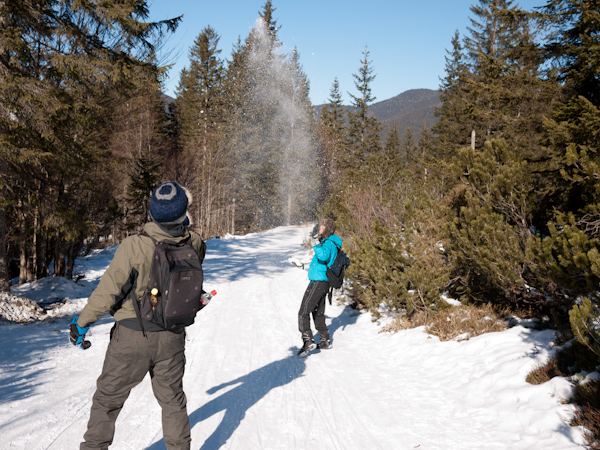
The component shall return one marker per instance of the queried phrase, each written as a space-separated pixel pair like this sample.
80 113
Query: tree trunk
4 275
22 244
23 260
73 251
59 257
233 218
35 251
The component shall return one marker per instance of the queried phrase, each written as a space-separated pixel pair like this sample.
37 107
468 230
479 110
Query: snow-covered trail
247 389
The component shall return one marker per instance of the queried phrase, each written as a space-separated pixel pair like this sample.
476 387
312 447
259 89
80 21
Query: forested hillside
496 202
414 109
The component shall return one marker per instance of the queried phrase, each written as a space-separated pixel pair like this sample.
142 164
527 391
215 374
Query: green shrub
489 232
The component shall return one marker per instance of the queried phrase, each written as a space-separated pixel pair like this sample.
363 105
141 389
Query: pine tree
270 22
582 319
62 65
363 129
333 123
506 91
201 117
574 45
393 146
409 147
454 125
494 86
567 258
574 50
426 148
270 131
333 113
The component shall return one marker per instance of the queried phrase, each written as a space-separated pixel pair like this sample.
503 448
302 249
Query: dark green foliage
489 231
574 45
453 128
567 259
200 112
493 85
63 68
582 318
144 178
362 134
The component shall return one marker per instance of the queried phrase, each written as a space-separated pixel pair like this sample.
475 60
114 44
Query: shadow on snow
237 401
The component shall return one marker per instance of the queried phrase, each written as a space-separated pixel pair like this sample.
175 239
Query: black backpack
335 272
176 276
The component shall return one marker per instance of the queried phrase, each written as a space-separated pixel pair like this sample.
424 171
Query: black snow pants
313 303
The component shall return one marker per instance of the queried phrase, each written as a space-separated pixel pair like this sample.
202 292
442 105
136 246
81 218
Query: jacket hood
335 239
157 233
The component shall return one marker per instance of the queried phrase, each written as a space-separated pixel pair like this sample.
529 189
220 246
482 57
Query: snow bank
19 309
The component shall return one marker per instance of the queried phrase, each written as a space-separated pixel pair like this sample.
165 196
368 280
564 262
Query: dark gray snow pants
313 303
129 358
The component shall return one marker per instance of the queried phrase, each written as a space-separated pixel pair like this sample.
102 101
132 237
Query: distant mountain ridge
411 108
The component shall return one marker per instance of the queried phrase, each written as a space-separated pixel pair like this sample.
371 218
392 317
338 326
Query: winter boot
324 344
307 347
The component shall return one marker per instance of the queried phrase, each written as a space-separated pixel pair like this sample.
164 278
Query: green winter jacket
133 257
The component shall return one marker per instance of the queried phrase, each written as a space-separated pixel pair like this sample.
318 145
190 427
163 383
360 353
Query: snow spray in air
275 139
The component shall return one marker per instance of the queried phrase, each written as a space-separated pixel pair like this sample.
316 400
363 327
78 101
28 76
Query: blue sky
407 39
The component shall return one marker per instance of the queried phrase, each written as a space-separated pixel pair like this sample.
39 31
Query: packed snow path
248 390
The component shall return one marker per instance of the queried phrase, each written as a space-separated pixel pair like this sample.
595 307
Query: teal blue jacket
326 252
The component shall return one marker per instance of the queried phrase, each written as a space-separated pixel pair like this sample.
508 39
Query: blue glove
77 335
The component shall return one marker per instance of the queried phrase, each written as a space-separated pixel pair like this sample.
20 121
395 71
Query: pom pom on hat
168 203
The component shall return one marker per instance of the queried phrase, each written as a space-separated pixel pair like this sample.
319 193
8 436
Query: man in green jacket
134 351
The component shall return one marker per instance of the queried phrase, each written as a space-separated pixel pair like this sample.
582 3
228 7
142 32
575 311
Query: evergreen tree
393 146
574 45
363 129
333 114
270 131
409 148
567 258
383 169
426 146
494 86
270 23
200 116
62 64
333 123
505 89
489 233
574 49
454 125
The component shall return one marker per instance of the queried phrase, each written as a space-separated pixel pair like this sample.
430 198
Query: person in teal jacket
313 301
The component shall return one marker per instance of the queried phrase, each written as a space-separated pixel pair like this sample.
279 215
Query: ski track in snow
247 389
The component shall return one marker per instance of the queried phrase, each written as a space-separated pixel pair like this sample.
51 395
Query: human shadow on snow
23 356
252 388
348 316
237 401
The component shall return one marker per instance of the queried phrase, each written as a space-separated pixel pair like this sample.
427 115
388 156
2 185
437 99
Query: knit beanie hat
168 203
